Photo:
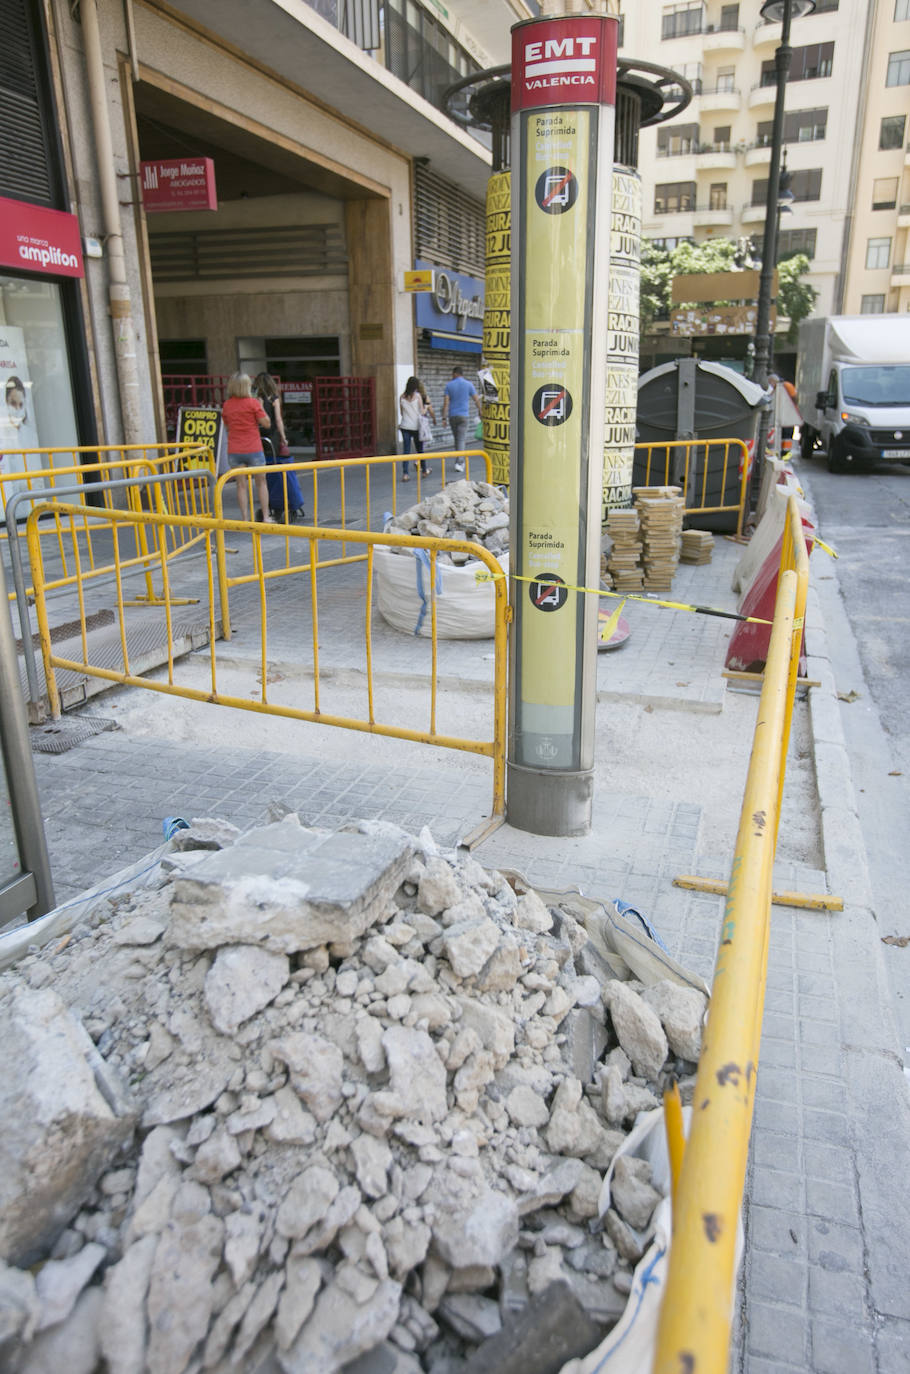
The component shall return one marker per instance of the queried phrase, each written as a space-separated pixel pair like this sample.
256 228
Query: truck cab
862 416
865 414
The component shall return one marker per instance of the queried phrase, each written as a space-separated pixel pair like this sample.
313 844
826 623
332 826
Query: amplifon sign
555 62
179 184
35 239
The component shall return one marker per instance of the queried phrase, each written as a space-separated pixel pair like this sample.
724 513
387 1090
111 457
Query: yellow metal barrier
365 468
698 466
211 531
695 1318
186 495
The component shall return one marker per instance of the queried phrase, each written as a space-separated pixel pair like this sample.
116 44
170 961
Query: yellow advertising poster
497 325
556 222
199 425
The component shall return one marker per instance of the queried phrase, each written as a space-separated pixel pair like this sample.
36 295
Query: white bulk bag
465 596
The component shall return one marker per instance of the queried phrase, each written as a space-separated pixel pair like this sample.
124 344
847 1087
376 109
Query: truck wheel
837 458
806 442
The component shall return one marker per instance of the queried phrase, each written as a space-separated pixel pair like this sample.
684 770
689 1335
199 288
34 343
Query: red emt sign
179 183
34 239
572 62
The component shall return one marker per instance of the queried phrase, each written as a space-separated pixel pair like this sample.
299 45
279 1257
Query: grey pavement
824 1283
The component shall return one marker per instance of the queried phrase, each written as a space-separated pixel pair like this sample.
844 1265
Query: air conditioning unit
709 28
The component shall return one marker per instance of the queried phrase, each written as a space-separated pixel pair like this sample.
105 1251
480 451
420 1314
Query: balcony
723 40
717 157
765 36
719 100
758 155
706 218
903 217
900 275
753 214
676 167
762 97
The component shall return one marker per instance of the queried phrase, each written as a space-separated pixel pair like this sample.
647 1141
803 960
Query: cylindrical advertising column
621 394
496 322
563 97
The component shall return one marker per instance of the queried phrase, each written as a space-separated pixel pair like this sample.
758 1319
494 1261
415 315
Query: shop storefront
40 255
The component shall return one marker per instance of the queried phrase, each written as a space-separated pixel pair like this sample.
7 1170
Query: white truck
853 389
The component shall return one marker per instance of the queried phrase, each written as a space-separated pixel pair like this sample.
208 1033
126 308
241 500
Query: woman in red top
244 418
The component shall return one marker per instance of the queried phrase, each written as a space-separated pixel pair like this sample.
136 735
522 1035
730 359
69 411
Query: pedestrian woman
415 409
285 496
244 418
267 392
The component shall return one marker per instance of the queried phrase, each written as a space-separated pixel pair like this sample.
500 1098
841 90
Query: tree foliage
660 265
795 297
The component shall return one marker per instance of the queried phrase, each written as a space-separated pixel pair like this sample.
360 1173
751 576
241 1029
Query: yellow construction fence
694 1332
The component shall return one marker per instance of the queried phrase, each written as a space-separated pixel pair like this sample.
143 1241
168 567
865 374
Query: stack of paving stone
697 546
624 562
661 511
314 1098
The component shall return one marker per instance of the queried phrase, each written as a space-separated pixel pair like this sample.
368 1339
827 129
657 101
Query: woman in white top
414 405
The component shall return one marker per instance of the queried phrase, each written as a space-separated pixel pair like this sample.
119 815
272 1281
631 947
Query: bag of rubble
641 1162
462 586
635 1194
465 597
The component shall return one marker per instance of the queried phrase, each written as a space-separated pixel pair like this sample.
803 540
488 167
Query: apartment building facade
878 249
705 173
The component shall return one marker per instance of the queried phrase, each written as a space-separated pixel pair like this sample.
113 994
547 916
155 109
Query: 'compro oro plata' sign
199 425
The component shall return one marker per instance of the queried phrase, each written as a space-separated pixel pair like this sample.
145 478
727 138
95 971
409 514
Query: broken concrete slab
60 1131
287 888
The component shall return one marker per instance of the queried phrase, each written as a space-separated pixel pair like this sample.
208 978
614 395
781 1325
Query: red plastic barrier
748 647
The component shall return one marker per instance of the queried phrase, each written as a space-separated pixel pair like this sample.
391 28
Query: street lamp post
782 11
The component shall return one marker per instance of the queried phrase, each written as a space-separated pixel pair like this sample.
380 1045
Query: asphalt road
865 596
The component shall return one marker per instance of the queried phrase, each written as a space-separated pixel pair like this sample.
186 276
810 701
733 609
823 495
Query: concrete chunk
341 1329
60 1130
242 981
287 888
551 1330
638 1029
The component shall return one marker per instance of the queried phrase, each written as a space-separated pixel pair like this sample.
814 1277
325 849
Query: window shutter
25 167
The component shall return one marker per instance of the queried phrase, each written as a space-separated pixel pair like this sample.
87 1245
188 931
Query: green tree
656 275
795 297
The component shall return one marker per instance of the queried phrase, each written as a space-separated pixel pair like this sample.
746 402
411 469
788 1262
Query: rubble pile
465 510
322 1101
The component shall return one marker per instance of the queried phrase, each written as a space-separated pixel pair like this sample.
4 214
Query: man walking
455 406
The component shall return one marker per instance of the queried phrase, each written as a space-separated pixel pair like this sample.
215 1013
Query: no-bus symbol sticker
551 404
548 593
556 190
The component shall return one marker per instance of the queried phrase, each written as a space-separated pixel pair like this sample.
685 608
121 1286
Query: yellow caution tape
623 597
650 601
